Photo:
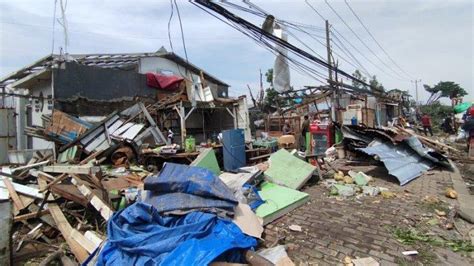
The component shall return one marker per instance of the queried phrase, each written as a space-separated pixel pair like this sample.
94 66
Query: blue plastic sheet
253 198
139 235
180 188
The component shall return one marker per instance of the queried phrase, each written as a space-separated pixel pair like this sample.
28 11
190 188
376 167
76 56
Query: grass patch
412 236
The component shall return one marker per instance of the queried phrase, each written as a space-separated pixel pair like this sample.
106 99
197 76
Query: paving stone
333 229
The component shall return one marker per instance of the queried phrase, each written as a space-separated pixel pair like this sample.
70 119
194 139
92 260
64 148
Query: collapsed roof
123 61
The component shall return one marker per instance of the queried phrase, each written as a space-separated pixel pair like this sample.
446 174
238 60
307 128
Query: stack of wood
55 203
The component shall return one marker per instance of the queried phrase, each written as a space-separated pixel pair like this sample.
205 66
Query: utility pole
416 89
334 95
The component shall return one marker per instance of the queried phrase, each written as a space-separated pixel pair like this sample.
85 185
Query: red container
322 137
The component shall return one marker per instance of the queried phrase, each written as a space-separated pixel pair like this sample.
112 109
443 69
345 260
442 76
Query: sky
431 40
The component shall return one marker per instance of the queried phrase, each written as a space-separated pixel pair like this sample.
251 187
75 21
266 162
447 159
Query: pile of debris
97 194
402 152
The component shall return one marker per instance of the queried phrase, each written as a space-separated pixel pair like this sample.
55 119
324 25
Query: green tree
269 76
447 88
359 76
375 85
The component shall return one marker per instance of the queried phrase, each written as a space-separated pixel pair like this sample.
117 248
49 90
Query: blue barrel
233 148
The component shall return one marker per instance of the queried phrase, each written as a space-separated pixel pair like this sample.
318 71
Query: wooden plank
22 189
64 176
64 227
83 241
71 169
13 195
29 216
102 207
70 192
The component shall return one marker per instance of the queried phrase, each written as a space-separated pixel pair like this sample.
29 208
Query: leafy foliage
269 76
375 84
411 236
447 88
359 76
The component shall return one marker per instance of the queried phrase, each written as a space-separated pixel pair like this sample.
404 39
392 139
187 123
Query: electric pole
334 95
416 89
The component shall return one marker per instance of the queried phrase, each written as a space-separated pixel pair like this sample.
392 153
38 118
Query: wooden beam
13 195
98 203
29 216
71 169
64 227
83 241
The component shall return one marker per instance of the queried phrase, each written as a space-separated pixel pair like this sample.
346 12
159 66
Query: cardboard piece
287 170
235 181
247 221
207 159
279 201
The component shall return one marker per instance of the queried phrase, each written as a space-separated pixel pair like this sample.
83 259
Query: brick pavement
334 228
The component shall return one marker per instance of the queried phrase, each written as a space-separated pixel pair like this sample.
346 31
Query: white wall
37 111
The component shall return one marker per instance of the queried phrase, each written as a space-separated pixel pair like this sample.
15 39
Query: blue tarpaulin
181 188
139 235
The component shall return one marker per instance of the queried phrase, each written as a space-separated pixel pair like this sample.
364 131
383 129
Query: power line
362 41
296 65
54 24
350 43
169 25
255 30
182 32
373 38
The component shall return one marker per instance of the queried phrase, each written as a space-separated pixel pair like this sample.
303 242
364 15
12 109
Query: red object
426 121
321 137
471 111
163 82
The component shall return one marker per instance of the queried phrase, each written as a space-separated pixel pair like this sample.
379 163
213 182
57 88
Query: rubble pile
102 198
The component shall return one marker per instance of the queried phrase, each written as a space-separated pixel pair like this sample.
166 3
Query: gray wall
83 90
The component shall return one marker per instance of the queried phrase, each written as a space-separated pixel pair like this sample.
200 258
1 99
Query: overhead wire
362 41
169 25
54 25
336 32
375 40
297 66
278 41
298 26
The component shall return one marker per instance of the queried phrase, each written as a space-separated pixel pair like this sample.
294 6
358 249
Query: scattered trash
347 261
410 253
370 191
295 228
451 193
348 180
339 176
344 190
431 199
388 194
440 213
276 255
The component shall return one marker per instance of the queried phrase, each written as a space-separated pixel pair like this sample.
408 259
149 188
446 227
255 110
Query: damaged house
181 96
